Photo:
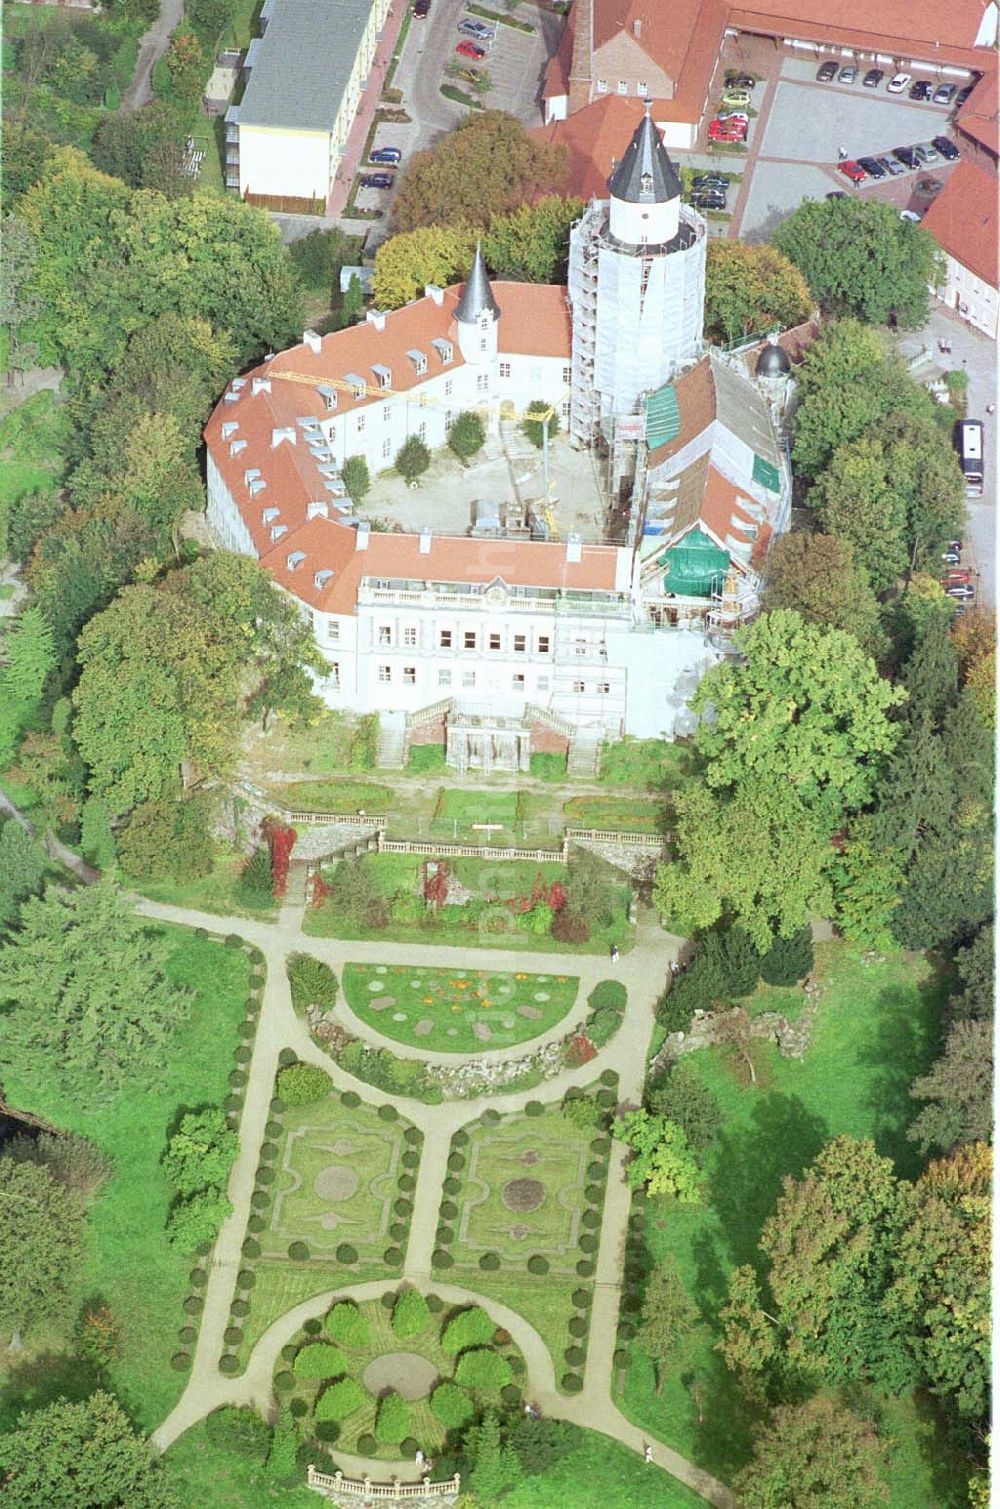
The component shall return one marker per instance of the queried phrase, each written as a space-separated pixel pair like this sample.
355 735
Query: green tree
19 303
759 855
169 840
88 1002
859 258
43 1226
818 576
29 651
482 1368
186 66
412 459
354 301
357 478
752 288
469 1328
814 1455
930 674
534 429
531 245
340 1400
22 865
201 1152
807 706
662 1159
410 1315
496 1468
240 1431
682 1096
87 1454
392 1423
210 18
145 148
195 1221
281 1463
487 166
976 972
466 435
957 1091
405 263
788 960
749 1338
848 384
667 1318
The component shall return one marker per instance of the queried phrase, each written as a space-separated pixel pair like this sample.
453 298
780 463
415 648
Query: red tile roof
696 402
934 28
963 219
979 117
593 137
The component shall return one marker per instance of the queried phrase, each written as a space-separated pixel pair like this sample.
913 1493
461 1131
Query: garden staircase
391 753
584 755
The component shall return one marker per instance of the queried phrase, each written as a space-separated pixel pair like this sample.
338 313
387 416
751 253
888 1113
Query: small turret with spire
477 314
645 189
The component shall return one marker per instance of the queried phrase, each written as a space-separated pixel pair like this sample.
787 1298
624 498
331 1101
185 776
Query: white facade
279 163
975 300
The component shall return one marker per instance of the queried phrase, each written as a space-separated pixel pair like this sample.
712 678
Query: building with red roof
963 220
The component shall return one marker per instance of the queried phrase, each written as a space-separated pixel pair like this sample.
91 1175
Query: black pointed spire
645 174
477 294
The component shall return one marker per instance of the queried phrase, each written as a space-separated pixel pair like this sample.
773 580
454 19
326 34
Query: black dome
773 361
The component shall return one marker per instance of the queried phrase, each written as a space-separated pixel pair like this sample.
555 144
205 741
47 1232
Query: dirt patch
407 1372
523 1195
336 1182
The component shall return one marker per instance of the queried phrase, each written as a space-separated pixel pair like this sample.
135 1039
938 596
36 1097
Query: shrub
246 1278
490 1262
286 1057
272 1129
398 1231
406 1184
469 1328
402 1206
232 1336
466 435
312 982
570 927
231 1364
195 1221
251 1247
180 1362
393 1420
588 1242
449 1210
596 1171
312 1327
298 1408
575 1356
350 1098
326 1430
197 1278
483 1369
268 1152
277 1106
254 887
609 1078
409 1446
298 1252
788 960
393 1257
585 1268
347 1254
442 1259
260 1199
608 995
414 1136
606 1099
583 1112
237 1079
319 1360
534 1108
339 1400
367 1444
348 1325
410 1159
601 1146
576 1325
240 1432
456 1162
186 1335
538 1264
490 1117
239 1308
388 1113
410 1314
602 1026
451 1186
571 1383
302 1084
265 1176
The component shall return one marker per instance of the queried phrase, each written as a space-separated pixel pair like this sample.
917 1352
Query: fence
466 851
325 1482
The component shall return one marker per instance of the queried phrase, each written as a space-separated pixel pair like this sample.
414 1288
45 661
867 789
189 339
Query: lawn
211 893
347 796
459 811
337 1179
653 764
600 1471
877 1029
32 441
456 1011
202 1474
323 747
129 1263
424 1426
620 814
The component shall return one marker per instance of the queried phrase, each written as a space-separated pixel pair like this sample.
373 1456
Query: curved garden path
641 971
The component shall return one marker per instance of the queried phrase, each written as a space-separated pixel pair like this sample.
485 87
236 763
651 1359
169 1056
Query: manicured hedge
483 1369
319 1360
348 1325
490 1262
469 1328
410 1315
339 1400
393 1420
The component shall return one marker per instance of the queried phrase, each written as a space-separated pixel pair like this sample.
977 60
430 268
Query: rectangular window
623 86
384 634
494 641
422 429
360 423
520 644
409 675
505 369
444 678
602 86
482 343
410 635
444 639
422 401
483 382
385 673
385 413
543 644
333 631
604 687
386 449
518 682
448 387
542 684
469 639
579 686
642 88
567 374
468 678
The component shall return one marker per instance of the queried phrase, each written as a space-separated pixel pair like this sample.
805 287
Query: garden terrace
456 1011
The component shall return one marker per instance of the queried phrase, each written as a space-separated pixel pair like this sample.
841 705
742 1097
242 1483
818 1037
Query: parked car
951 557
922 90
898 82
927 152
710 181
929 186
963 591
709 199
739 116
826 71
390 155
872 167
891 166
873 78
947 148
421 10
740 81
854 171
477 29
956 576
963 95
910 215
469 75
945 93
727 131
847 75
738 98
906 156
470 50
376 180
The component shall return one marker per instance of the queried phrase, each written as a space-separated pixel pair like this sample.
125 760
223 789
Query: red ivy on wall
282 841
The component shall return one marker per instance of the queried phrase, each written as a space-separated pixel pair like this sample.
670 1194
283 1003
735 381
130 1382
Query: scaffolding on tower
734 604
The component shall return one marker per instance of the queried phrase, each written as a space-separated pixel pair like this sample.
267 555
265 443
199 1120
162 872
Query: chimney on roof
573 549
286 432
425 541
361 535
317 509
376 317
581 63
432 291
313 341
260 385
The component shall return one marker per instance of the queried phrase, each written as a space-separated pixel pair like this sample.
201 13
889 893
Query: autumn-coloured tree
486 167
751 288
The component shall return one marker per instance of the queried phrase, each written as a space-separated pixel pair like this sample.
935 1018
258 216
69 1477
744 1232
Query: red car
854 171
727 131
470 50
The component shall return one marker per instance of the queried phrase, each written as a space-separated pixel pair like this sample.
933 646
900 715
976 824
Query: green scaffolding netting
695 566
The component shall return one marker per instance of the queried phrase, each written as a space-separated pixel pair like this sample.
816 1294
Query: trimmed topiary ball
287 1057
265 1176
289 1351
449 1210
232 1103
456 1162
239 1308
451 1186
409 1447
490 1117
402 1206
197 1278
460 1138
298 1408
534 1108
186 1335
256 1224
582 1298
490 1262
346 1253
193 1305
594 1193
268 1152
233 940
576 1325
367 1444
272 1130
435 1304
410 1159
442 1259
538 1264
609 1078
445 1236
393 1257
590 1219
588 1242
607 1099
260 1199
233 1336
350 1098
180 1362
237 1078
388 1113
571 1383
284 1382
277 1106
406 1184
414 1136
298 1252
246 1278
575 1356
242 1055
585 1268
596 1171
231 1364
312 1327
398 1231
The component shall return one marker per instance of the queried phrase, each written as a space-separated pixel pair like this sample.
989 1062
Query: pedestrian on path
419 1457
842 154
647 1452
614 953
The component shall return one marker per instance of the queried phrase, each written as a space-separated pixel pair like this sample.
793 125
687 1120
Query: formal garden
456 1010
520 1216
390 1376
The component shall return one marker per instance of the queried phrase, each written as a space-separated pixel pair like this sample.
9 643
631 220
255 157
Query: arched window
646 183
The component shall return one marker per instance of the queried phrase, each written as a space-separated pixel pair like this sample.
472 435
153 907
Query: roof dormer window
444 349
646 183
419 361
358 386
383 376
328 395
295 560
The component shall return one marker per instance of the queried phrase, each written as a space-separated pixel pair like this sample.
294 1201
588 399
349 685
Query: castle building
495 641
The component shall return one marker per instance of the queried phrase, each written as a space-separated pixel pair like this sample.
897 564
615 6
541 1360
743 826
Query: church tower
477 315
637 289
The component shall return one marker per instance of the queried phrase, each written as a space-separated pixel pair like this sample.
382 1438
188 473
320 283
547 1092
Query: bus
969 444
